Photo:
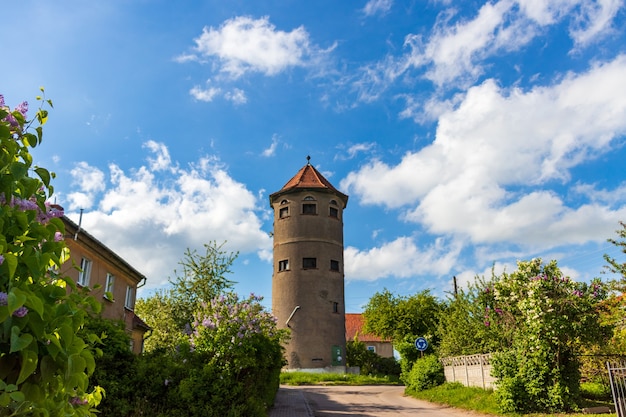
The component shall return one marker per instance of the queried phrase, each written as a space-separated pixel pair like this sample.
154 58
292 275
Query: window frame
333 212
309 263
283 212
129 300
334 263
84 275
283 265
109 286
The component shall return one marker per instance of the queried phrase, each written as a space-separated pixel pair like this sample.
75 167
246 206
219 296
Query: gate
617 378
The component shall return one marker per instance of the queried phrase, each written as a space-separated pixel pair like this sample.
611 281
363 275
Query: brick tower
308 275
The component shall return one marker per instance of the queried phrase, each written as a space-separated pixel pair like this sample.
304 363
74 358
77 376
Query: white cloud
90 181
162 159
455 52
487 174
237 96
271 151
149 216
400 258
244 44
204 94
594 20
374 7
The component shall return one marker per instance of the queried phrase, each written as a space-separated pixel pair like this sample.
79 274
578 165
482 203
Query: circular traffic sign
421 344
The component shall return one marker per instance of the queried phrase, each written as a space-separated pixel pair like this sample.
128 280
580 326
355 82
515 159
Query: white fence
471 371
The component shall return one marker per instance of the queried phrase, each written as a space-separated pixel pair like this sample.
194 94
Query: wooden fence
471 371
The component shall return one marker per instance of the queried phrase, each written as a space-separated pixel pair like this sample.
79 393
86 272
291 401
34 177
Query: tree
403 319
169 312
613 265
45 358
545 318
463 328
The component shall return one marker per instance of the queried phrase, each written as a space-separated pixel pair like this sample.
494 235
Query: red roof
309 178
354 326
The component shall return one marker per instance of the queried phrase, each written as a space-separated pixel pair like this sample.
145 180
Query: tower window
333 212
335 307
309 198
283 202
283 212
334 265
309 208
333 202
309 263
283 265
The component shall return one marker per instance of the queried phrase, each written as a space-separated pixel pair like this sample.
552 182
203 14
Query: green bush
427 372
369 362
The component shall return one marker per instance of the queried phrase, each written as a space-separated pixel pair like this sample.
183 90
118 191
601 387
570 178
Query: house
117 279
354 329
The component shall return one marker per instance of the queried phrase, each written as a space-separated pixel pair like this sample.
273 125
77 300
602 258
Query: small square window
309 263
334 265
372 348
309 209
283 265
333 212
283 212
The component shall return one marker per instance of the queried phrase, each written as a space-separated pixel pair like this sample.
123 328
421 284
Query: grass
452 394
306 378
484 401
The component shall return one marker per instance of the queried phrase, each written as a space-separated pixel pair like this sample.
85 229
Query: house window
309 263
108 287
283 212
85 272
283 265
309 208
333 212
130 298
334 265
335 307
372 348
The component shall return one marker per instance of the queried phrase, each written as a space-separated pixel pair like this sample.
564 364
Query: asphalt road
357 401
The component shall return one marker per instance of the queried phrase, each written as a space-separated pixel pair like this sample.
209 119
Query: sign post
421 344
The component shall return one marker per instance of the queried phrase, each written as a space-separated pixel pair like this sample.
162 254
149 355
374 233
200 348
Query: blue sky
467 134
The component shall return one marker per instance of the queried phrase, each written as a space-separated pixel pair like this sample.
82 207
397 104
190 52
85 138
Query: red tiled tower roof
354 327
309 178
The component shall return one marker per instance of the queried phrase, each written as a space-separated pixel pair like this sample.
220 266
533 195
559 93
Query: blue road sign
421 344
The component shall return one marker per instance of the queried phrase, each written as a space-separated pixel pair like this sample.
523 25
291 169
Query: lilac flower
1 259
22 108
78 401
20 312
4 299
58 236
487 323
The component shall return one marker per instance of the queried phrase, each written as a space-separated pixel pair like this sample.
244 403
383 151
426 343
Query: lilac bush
44 364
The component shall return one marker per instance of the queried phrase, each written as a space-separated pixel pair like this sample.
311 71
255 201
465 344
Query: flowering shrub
546 318
44 365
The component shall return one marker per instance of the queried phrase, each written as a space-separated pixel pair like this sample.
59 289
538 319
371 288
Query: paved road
357 401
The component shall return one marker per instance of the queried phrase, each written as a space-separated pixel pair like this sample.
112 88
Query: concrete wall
471 371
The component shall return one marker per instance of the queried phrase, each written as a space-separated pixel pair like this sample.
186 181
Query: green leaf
29 365
19 341
18 396
5 399
34 303
19 170
44 175
11 261
17 298
75 365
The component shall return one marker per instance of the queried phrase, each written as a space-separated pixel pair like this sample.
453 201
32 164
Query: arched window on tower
284 210
309 206
333 210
